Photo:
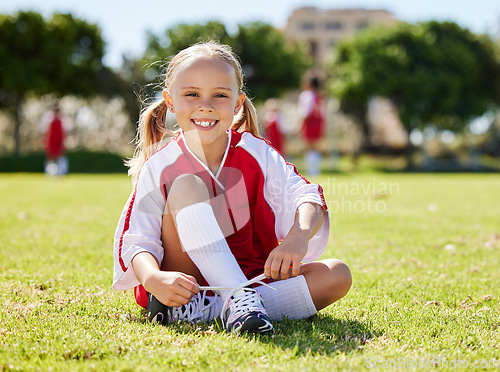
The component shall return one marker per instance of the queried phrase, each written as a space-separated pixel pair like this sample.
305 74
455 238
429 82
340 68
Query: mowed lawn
424 251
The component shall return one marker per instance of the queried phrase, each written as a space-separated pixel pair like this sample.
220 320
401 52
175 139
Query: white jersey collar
214 176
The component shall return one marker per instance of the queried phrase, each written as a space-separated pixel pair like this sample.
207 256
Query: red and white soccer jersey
254 195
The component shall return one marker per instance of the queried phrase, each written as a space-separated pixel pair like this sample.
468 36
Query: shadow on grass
320 334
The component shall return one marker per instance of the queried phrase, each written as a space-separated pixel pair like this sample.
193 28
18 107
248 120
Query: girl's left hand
288 254
284 260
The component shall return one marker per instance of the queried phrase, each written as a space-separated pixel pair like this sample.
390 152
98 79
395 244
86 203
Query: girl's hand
288 254
172 288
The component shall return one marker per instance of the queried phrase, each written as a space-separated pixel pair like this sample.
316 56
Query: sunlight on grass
424 251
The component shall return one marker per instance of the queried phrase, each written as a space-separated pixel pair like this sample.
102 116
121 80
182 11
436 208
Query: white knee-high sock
290 299
205 244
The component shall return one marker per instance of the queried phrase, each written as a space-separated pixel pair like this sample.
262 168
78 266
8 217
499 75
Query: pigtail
149 136
246 120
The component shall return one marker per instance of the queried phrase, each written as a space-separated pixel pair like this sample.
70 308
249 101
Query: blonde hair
152 130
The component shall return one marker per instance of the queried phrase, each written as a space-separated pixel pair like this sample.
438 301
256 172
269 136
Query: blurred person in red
275 129
312 113
54 127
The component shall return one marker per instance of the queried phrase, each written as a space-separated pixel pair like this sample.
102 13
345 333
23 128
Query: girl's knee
186 189
341 276
328 281
337 278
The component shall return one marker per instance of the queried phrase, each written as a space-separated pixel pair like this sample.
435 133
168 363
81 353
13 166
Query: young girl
217 205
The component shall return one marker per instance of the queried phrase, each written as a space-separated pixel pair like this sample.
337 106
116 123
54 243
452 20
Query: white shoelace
196 309
257 279
242 304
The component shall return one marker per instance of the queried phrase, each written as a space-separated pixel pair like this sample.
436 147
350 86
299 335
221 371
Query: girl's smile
204 124
205 97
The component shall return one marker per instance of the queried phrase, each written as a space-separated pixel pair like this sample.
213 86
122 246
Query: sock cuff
303 288
291 299
197 226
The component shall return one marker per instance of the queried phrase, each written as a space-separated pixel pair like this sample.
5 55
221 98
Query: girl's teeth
204 124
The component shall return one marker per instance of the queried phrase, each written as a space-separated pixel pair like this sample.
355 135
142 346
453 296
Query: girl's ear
168 101
239 102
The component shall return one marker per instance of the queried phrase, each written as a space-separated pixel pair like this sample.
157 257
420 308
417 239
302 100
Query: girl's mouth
205 123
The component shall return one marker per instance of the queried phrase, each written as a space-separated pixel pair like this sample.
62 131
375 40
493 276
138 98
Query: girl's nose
206 105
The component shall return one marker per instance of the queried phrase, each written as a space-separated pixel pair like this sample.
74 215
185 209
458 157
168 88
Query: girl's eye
220 95
191 95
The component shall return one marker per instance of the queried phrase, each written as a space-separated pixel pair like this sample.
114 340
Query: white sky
124 23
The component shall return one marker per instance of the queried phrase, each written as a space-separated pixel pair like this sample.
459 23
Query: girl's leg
328 281
175 257
196 235
318 285
199 235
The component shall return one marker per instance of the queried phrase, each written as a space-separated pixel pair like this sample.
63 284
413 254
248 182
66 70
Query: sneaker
244 310
246 313
200 308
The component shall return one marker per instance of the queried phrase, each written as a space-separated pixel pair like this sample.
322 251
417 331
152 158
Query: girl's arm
293 248
170 287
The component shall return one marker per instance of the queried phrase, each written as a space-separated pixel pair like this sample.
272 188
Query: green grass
424 251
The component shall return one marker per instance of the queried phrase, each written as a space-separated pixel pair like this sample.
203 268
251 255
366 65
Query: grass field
424 251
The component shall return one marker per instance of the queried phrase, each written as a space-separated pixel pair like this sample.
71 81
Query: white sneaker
200 308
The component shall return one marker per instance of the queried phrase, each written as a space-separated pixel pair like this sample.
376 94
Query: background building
322 29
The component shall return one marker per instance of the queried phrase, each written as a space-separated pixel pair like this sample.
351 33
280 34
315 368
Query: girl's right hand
172 288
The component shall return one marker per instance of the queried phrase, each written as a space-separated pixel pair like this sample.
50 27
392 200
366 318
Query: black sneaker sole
254 322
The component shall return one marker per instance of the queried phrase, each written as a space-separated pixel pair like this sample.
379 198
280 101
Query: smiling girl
216 205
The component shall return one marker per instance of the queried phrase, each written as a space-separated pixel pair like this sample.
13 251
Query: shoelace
258 279
240 305
195 309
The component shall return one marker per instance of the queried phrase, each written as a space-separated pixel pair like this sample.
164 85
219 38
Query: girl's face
205 95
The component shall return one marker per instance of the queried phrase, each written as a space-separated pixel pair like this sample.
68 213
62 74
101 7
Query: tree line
435 73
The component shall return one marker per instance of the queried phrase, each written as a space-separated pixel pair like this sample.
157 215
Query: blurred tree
183 35
62 55
435 73
271 64
127 82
